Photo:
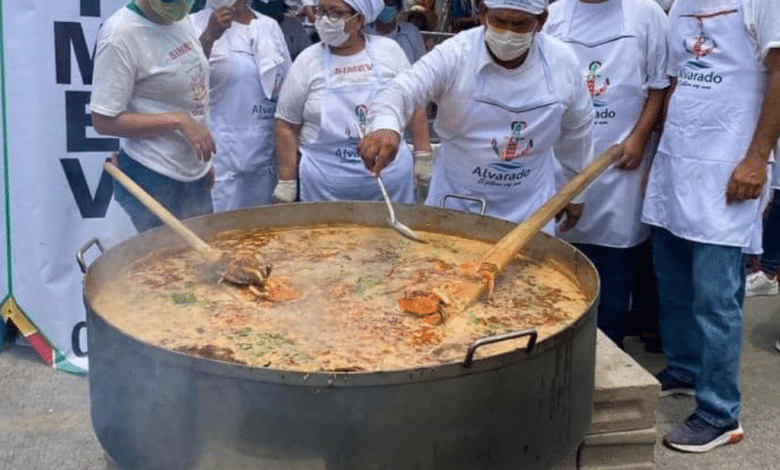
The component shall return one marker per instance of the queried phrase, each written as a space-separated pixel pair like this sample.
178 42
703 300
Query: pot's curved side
153 408
150 413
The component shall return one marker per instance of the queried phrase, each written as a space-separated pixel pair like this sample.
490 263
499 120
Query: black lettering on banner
75 339
90 8
77 120
65 34
90 207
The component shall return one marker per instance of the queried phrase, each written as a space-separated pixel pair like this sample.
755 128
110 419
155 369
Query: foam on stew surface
342 287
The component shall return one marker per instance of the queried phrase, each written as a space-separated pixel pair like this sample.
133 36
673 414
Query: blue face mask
387 15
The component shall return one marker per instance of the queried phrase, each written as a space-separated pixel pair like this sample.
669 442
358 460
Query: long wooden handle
175 224
506 249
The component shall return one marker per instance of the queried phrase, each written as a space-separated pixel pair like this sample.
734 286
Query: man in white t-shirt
722 121
405 34
510 101
621 46
151 87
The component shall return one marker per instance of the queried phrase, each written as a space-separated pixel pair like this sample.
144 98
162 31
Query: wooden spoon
235 270
455 297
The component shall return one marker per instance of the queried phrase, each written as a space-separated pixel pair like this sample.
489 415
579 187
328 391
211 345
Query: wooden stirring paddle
456 296
242 271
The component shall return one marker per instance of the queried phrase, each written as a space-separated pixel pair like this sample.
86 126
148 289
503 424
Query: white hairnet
534 7
369 8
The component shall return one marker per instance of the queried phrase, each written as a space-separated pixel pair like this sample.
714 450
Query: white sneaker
759 284
777 345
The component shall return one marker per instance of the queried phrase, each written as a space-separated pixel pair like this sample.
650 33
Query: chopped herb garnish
183 298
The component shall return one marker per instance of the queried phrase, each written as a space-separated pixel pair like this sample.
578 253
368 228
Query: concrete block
625 394
626 450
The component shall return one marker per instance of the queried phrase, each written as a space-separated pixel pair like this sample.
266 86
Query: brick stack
622 433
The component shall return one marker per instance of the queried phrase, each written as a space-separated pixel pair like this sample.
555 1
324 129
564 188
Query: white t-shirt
235 69
407 36
665 4
595 21
592 20
302 90
761 18
145 67
446 77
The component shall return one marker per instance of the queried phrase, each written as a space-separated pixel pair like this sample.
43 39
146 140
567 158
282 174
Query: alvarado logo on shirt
361 112
590 80
350 154
515 146
696 70
505 172
602 115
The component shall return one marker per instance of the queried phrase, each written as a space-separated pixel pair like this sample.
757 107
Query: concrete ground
45 424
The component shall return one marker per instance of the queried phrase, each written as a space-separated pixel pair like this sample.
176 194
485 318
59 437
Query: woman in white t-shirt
248 64
323 107
151 87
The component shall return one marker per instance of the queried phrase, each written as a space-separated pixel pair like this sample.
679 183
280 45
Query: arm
219 21
636 141
423 152
655 46
574 149
409 91
286 136
128 124
749 176
418 128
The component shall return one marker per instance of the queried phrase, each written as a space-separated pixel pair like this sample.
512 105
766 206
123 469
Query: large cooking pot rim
422 218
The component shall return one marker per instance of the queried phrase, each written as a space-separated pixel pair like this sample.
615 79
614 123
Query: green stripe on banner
62 363
6 178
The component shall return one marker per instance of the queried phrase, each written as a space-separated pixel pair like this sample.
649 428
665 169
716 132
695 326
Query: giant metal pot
158 409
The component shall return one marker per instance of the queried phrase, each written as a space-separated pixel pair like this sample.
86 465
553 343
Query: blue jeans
616 271
183 200
644 298
770 260
701 288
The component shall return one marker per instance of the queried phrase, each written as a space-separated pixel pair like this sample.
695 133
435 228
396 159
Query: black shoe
697 435
651 342
671 386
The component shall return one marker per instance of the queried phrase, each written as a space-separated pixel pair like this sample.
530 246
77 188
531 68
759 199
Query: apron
331 168
614 73
711 119
242 123
504 153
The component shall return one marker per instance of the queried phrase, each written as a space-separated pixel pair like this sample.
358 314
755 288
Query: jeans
701 288
644 298
770 259
616 271
183 200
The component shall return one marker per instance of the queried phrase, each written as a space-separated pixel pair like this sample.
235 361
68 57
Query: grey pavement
45 423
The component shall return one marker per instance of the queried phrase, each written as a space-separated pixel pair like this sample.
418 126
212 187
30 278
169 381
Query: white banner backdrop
6 254
59 197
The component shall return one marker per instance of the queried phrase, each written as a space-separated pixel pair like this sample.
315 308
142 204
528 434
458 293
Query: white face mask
507 45
331 31
222 3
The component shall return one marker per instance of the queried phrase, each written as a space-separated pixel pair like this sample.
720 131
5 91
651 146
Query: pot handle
480 200
531 333
80 254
